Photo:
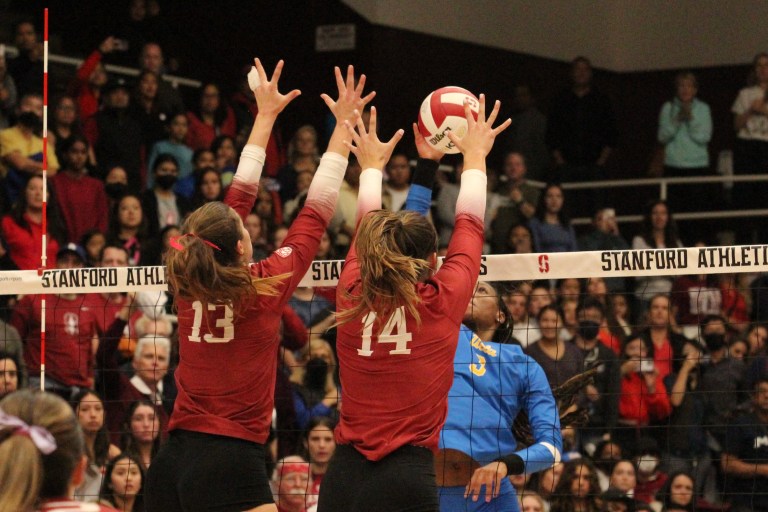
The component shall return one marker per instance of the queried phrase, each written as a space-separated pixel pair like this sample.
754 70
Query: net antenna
44 252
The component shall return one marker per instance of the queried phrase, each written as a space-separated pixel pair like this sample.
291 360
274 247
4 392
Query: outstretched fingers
277 72
481 111
494 112
503 126
260 70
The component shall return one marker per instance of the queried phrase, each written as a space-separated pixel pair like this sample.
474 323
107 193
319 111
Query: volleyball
443 111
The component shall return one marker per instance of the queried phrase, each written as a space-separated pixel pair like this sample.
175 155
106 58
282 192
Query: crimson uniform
413 365
395 385
227 367
225 385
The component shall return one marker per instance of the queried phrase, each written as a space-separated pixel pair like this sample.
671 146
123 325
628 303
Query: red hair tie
175 242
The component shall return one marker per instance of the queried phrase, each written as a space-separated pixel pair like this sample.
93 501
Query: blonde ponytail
206 266
393 251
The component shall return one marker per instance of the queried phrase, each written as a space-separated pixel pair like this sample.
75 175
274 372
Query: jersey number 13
224 322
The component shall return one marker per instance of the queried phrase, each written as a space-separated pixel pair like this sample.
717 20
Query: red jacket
87 100
25 244
636 403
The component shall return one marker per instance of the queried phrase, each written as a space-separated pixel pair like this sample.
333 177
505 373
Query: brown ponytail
210 275
25 472
393 251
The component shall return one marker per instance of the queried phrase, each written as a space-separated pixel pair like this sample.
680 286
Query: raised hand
478 141
369 150
268 98
424 148
350 96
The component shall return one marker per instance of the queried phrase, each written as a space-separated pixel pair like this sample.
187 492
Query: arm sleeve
294 330
241 196
87 67
323 192
472 194
303 239
700 127
458 274
667 125
539 404
369 194
420 193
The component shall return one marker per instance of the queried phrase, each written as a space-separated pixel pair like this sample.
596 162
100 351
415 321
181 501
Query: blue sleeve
419 199
544 418
304 414
420 194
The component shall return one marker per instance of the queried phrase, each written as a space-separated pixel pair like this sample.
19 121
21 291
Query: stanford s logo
543 264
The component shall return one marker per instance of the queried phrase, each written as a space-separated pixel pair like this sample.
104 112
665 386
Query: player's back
226 374
395 384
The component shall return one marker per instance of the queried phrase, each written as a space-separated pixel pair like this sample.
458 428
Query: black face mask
31 121
115 190
714 342
588 329
315 375
166 181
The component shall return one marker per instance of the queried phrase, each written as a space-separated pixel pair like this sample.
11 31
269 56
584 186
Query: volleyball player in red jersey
398 328
229 313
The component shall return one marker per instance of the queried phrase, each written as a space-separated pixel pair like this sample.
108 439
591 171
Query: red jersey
70 329
228 365
395 385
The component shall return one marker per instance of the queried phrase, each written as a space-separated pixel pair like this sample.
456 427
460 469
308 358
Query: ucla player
492 384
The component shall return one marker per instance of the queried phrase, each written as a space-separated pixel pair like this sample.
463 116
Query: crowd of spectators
677 412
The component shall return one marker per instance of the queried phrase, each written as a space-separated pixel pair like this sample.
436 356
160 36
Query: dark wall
214 40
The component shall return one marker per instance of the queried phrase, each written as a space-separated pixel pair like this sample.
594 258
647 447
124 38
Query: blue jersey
492 383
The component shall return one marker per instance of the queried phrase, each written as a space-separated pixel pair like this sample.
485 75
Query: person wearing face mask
162 206
601 397
317 395
650 478
723 380
21 147
115 184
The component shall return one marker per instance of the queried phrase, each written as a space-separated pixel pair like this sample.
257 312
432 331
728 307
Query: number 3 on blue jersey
395 322
225 322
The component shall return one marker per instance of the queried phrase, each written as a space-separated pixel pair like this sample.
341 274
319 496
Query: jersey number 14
396 322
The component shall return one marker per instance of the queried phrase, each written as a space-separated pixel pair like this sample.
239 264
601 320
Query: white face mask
647 464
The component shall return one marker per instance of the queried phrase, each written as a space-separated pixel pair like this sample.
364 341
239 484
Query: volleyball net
688 431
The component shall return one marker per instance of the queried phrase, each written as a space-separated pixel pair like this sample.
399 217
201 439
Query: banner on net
497 267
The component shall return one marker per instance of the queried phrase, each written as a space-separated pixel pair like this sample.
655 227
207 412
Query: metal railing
174 80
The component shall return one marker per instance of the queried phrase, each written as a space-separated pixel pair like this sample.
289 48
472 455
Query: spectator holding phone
643 397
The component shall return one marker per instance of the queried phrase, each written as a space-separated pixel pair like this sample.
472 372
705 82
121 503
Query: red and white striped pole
44 255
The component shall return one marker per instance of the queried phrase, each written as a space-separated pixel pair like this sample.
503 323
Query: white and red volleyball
443 111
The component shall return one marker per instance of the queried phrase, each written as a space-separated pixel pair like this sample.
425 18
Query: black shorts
404 480
195 471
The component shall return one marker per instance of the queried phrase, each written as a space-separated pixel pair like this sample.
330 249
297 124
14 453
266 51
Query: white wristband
472 193
251 164
324 189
